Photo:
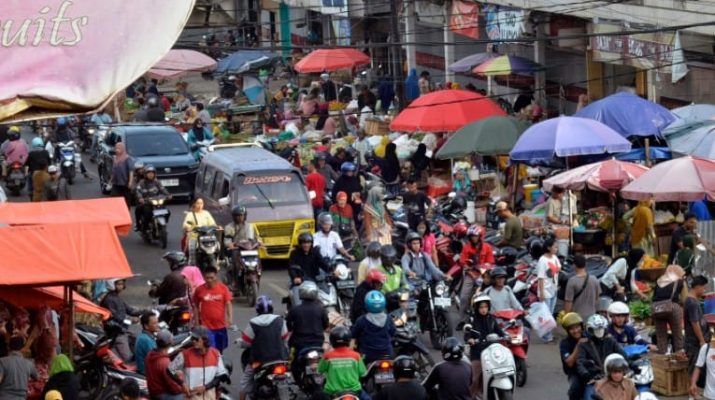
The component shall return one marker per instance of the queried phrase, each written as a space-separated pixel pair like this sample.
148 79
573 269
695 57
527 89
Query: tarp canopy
50 296
55 254
178 62
111 209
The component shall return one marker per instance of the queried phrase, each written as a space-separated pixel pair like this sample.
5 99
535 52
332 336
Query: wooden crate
376 127
670 377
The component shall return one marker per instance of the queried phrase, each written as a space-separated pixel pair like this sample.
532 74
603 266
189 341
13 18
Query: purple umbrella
467 63
629 115
567 136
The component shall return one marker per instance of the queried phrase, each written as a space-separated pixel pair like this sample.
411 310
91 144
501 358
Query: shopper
582 290
213 300
668 288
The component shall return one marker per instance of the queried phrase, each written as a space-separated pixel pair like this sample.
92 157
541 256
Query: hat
501 206
165 337
52 169
342 196
324 76
53 395
200 332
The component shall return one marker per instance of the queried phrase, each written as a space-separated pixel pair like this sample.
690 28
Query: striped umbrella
506 65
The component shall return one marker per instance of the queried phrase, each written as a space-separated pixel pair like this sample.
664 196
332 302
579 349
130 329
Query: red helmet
375 276
460 229
476 230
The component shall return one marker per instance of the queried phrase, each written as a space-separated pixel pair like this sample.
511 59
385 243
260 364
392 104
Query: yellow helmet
570 320
14 129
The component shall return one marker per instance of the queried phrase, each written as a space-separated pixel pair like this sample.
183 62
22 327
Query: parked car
154 144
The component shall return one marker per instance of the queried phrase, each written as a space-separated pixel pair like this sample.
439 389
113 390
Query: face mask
599 333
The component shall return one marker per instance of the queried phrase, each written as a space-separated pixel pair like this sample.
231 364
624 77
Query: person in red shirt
316 183
161 382
475 255
213 302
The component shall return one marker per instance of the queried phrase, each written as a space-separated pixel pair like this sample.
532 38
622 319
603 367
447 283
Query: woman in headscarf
122 178
386 92
196 135
391 169
420 163
642 230
460 183
412 86
193 277
668 288
376 222
62 379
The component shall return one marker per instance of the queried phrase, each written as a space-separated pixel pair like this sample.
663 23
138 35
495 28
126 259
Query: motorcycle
207 247
511 322
327 294
15 179
69 160
407 339
309 380
379 374
434 302
641 368
343 280
245 276
203 146
271 381
156 228
498 368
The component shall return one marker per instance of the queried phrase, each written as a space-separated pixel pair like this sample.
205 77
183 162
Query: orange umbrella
331 60
50 296
445 111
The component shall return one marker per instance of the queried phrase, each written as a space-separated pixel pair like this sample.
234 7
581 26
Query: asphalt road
545 378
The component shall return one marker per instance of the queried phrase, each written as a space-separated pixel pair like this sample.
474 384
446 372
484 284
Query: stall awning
55 254
50 296
111 209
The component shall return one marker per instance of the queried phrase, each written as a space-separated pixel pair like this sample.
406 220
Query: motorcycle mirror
467 327
224 201
452 195
312 194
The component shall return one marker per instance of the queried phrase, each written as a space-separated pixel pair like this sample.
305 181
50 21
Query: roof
54 254
111 209
246 159
143 127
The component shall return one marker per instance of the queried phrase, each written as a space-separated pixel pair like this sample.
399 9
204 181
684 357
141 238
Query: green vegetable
640 310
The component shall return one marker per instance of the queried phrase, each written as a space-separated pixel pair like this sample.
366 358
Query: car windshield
147 144
271 190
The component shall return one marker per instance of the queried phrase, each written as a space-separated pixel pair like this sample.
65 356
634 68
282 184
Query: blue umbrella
629 115
467 63
244 61
564 137
699 142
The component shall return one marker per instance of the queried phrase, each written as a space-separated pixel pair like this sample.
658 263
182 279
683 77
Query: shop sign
504 23
643 51
465 19
430 13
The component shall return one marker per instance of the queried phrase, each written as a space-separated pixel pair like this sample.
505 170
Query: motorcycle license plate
382 378
169 182
444 302
159 213
348 284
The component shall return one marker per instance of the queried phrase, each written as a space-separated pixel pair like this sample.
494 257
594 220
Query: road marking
281 291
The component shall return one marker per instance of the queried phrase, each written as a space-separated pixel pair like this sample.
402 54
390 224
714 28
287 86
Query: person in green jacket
394 273
343 367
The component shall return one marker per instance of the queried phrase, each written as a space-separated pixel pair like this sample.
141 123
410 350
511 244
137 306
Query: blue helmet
347 166
61 121
375 302
37 142
264 305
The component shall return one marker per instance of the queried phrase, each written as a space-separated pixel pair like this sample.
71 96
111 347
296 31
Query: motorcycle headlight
91 131
498 354
306 226
516 339
440 289
342 272
157 202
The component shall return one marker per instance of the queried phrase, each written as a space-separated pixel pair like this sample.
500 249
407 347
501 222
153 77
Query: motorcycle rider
328 241
308 258
146 189
197 134
589 363
64 134
56 187
119 310
343 368
483 324
406 387
36 157
615 385
160 381
394 273
138 172
620 330
453 376
475 254
417 264
307 323
236 234
201 365
371 261
570 347
501 295
373 331
374 281
265 339
14 149
173 287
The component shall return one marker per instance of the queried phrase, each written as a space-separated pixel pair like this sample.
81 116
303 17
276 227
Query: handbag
185 238
664 308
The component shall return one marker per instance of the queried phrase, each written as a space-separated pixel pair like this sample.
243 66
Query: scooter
69 160
308 379
641 368
498 368
207 248
379 374
203 147
156 228
271 381
15 179
245 273
407 335
511 322
343 280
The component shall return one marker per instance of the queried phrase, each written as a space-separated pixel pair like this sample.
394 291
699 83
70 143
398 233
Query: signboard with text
643 51
464 19
504 23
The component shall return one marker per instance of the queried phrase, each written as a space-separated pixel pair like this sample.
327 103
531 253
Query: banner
429 13
504 23
325 7
342 30
465 19
65 56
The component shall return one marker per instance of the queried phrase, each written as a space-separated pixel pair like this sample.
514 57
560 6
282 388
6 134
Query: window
156 143
220 187
200 176
208 180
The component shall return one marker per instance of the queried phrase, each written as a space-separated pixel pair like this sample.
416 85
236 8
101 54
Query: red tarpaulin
42 255
111 209
50 296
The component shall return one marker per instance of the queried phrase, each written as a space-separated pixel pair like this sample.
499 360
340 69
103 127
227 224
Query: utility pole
397 55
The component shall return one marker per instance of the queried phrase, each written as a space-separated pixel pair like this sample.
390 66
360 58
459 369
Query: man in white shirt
328 241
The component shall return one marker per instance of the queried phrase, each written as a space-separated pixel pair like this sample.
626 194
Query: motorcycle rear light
279 370
185 316
385 365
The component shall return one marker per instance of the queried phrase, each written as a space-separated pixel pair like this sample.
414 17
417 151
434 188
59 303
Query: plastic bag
540 319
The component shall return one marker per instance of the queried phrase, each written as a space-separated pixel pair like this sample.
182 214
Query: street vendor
554 208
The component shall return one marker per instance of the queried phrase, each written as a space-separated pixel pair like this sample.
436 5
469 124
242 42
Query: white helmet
478 298
615 361
646 396
596 326
618 308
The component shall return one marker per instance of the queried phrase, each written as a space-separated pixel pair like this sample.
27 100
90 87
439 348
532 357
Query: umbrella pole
489 85
515 180
647 152
568 193
613 227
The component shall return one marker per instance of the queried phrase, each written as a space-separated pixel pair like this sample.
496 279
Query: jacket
422 266
307 323
589 364
171 287
357 309
67 383
266 335
373 333
310 264
159 379
454 379
200 369
119 308
471 256
147 189
485 325
610 390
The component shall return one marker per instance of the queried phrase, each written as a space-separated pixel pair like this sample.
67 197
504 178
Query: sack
540 319
662 309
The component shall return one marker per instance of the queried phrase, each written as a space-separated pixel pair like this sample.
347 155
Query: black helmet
340 336
373 249
387 252
452 349
152 101
404 367
239 210
459 203
176 259
498 271
305 237
412 236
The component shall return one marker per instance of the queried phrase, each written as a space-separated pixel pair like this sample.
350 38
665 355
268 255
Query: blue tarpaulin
245 60
656 153
629 115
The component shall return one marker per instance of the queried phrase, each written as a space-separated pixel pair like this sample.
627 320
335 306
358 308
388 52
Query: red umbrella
445 111
681 179
602 176
331 60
